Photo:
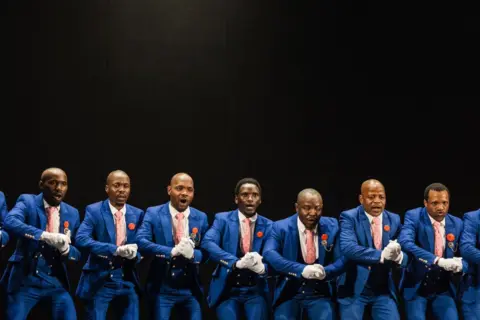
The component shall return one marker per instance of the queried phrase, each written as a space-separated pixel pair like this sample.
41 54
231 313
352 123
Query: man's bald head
308 193
116 173
370 183
181 191
51 172
54 185
372 197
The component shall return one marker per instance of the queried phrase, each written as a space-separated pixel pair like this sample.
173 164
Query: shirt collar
442 223
46 205
174 211
114 210
370 217
301 227
241 216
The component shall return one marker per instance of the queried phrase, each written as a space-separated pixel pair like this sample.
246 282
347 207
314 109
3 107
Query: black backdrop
297 94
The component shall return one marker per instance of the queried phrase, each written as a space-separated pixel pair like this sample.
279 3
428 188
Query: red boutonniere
450 237
386 228
324 236
66 224
259 234
131 226
195 230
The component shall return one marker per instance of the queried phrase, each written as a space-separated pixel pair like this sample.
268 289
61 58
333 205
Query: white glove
450 264
459 265
131 251
315 271
392 252
246 262
185 248
123 251
258 266
56 240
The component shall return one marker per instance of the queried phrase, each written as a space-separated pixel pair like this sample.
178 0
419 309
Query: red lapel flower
450 237
66 224
131 226
386 228
259 234
324 236
195 230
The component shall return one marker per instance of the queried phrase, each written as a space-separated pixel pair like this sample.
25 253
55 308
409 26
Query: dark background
297 94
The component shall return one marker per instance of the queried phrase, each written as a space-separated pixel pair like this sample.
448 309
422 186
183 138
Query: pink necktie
246 238
438 240
377 233
120 228
52 214
179 230
311 256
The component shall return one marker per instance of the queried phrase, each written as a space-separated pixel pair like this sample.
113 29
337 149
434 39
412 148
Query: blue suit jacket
281 253
221 242
3 213
97 235
27 221
154 237
470 251
356 244
418 240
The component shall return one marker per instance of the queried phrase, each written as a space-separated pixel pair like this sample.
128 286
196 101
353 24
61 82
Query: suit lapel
365 223
385 234
292 240
322 229
194 223
449 228
108 219
232 231
428 231
130 220
41 211
257 241
64 219
166 222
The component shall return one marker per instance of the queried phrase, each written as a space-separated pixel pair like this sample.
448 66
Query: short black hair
435 187
245 181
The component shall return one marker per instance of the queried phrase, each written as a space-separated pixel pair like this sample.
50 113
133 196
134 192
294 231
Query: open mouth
58 196
183 201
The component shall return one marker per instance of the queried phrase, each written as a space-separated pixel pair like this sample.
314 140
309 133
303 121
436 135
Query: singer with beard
431 236
171 233
45 227
108 233
235 242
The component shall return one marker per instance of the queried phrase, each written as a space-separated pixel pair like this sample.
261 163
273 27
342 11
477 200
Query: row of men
315 260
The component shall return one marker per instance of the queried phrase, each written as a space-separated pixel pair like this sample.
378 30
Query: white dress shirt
186 213
303 239
243 226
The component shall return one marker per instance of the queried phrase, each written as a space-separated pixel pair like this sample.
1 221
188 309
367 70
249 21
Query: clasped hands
252 261
185 248
128 251
392 252
452 264
314 271
59 241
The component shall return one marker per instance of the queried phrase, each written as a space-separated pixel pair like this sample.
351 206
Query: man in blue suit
367 240
430 235
235 241
45 227
470 251
299 249
3 213
172 233
108 234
